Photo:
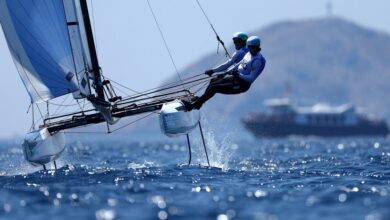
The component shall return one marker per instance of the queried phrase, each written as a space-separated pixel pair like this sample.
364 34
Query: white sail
38 39
79 45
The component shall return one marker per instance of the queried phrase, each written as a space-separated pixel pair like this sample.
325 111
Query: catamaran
53 48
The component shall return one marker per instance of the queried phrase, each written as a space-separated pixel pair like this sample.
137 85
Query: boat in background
281 118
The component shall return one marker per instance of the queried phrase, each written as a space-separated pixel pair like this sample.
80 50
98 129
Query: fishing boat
281 118
53 48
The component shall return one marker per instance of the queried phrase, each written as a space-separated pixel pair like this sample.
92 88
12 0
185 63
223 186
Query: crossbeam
79 119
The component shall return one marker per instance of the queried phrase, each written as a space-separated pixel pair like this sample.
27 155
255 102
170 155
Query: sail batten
38 39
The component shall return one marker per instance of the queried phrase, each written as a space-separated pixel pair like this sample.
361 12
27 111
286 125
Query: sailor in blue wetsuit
239 79
239 40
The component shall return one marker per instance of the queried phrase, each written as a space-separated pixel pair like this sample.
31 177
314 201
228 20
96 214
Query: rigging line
212 27
47 110
81 108
167 88
165 42
94 27
176 83
197 83
39 119
204 85
84 104
133 97
72 113
159 87
120 90
161 95
39 110
139 94
126 99
132 90
61 105
32 117
29 107
60 111
205 82
84 132
132 122
40 113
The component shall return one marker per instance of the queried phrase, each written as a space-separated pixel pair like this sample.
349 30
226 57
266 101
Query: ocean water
289 178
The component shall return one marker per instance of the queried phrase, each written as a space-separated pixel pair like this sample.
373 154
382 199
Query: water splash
146 164
15 164
219 150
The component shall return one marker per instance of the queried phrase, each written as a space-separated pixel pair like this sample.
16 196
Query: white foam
219 151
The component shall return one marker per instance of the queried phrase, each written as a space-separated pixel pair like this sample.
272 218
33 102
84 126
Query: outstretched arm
234 59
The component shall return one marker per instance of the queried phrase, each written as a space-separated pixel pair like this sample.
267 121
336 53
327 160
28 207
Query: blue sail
38 39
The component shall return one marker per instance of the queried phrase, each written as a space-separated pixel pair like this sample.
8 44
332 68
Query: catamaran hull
40 147
174 121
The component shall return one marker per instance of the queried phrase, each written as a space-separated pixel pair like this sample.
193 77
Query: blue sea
260 179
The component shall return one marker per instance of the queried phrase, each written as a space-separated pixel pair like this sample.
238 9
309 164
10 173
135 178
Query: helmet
253 41
242 35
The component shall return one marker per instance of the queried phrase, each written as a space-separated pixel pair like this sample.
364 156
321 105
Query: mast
92 50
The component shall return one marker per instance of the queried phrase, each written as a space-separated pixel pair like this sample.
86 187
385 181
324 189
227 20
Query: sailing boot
188 105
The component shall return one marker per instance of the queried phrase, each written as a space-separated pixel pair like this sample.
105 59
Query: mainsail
38 38
79 43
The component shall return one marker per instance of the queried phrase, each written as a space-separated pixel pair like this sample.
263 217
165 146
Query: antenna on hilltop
329 9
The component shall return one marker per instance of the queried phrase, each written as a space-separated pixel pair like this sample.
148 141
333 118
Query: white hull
40 147
174 121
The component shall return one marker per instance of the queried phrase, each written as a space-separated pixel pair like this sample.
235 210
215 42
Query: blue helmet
253 41
242 35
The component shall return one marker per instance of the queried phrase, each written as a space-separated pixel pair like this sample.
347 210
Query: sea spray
219 148
14 162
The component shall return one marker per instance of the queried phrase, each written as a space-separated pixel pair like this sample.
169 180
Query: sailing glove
209 72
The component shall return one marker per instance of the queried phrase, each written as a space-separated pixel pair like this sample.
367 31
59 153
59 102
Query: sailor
237 80
239 40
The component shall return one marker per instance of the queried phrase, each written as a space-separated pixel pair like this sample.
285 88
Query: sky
131 50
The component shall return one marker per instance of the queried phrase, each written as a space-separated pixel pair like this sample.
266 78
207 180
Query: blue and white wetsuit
251 67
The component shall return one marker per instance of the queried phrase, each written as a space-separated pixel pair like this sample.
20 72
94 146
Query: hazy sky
131 51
